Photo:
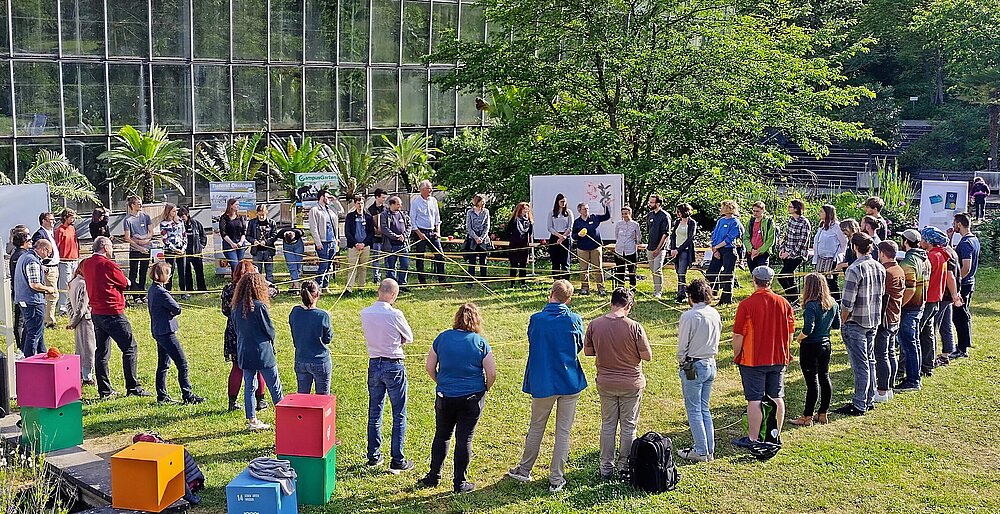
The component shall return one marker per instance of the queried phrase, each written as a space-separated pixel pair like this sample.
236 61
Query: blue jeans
168 348
697 393
401 256
325 263
909 344
386 376
293 258
860 343
233 255
376 262
250 388
308 372
33 336
943 321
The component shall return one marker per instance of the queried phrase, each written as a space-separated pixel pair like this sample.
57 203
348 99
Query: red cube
46 382
305 425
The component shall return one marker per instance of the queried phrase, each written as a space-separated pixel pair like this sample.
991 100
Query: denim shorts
759 381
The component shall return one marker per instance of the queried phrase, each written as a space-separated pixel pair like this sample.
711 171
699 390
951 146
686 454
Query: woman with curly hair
255 352
229 337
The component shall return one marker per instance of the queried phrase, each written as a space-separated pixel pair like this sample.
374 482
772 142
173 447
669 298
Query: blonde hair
814 287
730 207
469 318
760 205
562 290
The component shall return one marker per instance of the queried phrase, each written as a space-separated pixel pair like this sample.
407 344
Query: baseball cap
763 273
911 235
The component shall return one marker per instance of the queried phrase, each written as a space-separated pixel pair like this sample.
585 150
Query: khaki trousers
357 263
656 269
590 260
541 408
619 407
51 279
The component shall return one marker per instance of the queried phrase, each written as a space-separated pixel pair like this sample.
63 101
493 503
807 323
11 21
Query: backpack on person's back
651 465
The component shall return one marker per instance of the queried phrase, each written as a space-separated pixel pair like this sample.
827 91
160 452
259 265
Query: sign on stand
219 194
940 200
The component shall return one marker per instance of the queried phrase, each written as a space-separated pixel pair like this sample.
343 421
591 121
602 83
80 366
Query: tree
237 160
667 92
64 179
144 161
288 158
410 158
357 166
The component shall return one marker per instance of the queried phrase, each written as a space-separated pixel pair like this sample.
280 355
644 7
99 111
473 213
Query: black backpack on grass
651 465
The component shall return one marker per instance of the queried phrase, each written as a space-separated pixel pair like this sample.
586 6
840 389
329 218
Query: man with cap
762 333
942 291
916 273
860 315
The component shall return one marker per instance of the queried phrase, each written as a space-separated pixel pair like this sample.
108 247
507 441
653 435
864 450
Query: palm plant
236 160
143 161
286 158
410 158
358 167
64 179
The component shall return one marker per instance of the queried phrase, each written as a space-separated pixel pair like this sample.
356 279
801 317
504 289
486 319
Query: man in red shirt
105 283
935 242
69 253
762 333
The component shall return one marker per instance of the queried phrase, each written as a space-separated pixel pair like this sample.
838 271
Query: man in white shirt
323 220
386 331
426 219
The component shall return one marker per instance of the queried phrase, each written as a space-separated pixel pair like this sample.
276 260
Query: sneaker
657 295
849 410
555 488
958 355
743 442
465 487
401 466
167 399
879 398
375 461
109 396
906 387
610 475
193 400
404 289
585 291
602 292
262 404
138 392
689 454
89 382
516 475
255 424
428 481
185 296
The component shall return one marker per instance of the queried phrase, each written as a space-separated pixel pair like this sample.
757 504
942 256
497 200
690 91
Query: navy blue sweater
311 332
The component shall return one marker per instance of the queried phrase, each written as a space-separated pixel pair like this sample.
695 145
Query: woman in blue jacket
163 312
255 342
728 230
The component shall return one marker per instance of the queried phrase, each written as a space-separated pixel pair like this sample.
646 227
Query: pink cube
305 425
47 383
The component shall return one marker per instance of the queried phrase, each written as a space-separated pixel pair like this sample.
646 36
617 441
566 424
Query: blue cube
248 495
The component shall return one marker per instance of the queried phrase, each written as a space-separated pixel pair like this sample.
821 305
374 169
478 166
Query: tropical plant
4 179
65 181
359 168
236 160
410 158
286 158
143 161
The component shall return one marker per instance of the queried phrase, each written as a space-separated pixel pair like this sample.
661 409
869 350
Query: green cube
316 477
45 430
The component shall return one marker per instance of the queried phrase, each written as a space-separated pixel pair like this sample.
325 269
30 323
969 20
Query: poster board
21 205
596 190
940 200
219 194
307 188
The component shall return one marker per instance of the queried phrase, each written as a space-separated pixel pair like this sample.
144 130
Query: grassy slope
931 451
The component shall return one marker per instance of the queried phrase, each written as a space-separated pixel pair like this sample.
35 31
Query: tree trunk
147 188
994 110
938 97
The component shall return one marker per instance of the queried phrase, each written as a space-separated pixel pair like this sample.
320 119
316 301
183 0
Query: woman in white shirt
627 235
829 246
560 225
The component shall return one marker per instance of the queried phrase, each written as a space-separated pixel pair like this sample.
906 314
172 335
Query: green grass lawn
935 450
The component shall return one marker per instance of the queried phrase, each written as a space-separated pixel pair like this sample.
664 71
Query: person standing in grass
386 331
698 332
293 248
554 378
682 247
139 236
917 272
233 229
82 326
69 254
29 292
261 232
462 365
477 237
163 312
980 192
861 314
560 228
829 247
968 254
627 236
620 345
311 335
873 207
794 249
174 237
396 229
885 337
658 226
759 236
820 315
589 246
229 350
519 234
255 343
725 236
194 263
360 230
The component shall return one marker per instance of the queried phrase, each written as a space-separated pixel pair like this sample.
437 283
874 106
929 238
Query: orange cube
147 476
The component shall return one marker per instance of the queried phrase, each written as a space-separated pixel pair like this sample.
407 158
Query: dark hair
309 292
229 206
831 216
261 207
322 192
556 210
98 211
379 192
798 205
42 216
907 244
132 200
888 248
874 202
699 291
622 297
658 201
183 211
358 198
963 219
684 209
863 242
873 222
66 214
19 238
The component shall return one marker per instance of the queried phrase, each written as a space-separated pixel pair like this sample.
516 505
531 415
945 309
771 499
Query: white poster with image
219 194
940 200
595 190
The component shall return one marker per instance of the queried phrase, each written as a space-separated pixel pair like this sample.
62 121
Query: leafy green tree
410 158
65 181
359 168
143 161
675 95
286 158
236 160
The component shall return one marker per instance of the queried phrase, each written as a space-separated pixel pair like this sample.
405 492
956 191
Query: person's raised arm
490 367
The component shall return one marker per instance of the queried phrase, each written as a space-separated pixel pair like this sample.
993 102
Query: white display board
596 190
219 194
21 205
940 200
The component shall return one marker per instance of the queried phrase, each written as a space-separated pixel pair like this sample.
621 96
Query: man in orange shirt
762 333
69 255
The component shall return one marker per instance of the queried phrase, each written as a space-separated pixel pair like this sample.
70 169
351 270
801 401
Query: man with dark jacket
360 230
196 241
105 285
396 228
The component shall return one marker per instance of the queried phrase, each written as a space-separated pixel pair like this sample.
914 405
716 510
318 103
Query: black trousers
18 324
114 327
815 361
928 337
980 203
472 258
432 244
560 255
138 267
194 265
177 267
962 317
625 269
720 273
518 262
761 260
458 415
168 348
786 277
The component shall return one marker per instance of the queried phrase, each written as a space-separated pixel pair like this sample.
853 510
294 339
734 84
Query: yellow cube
147 476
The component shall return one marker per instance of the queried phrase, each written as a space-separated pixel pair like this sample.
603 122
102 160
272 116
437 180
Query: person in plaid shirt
861 313
794 249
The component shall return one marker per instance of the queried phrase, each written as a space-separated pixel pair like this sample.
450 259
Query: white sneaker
255 424
555 488
657 295
516 475
879 398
